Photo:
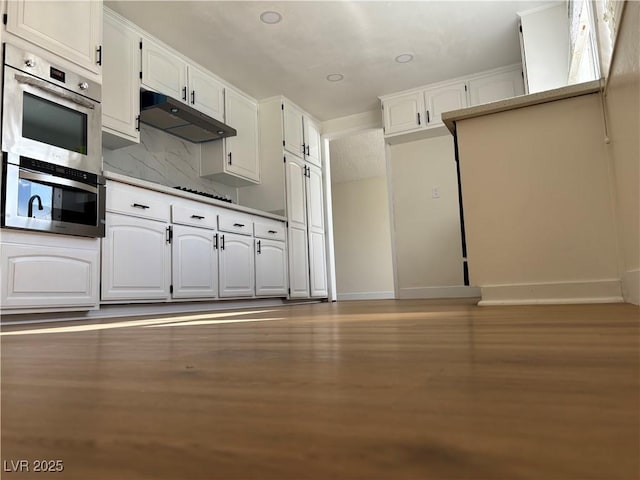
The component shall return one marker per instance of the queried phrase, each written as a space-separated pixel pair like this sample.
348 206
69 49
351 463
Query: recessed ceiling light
270 17
335 77
404 58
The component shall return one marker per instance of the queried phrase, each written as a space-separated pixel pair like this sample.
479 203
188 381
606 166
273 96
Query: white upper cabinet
234 160
418 113
71 29
444 99
403 113
497 86
206 93
293 137
242 150
120 83
312 142
162 71
167 73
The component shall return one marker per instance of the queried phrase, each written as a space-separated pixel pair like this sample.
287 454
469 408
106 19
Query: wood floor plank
382 389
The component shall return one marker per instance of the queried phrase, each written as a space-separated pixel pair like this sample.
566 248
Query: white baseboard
596 291
439 292
366 296
631 286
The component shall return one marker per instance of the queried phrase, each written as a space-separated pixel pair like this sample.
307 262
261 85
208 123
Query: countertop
450 118
191 196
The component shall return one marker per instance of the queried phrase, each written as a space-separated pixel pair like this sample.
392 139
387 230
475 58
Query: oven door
36 197
44 121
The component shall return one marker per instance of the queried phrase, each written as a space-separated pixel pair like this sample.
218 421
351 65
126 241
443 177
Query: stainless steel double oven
51 148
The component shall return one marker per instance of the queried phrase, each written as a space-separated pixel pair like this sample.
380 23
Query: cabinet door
46 276
242 150
162 71
70 29
236 263
271 268
404 113
136 259
206 94
312 142
315 222
292 126
298 262
120 83
295 192
317 265
443 99
499 86
194 262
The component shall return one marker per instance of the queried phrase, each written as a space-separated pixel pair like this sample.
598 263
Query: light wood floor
388 390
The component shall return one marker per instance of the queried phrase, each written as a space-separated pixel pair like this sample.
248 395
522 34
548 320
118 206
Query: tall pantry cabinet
292 186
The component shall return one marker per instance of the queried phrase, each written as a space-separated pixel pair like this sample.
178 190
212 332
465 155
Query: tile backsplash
164 159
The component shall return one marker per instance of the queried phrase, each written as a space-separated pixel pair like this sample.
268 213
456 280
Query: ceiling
358 39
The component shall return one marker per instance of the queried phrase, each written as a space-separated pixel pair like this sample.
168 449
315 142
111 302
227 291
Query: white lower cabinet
298 262
194 262
271 268
136 259
50 272
236 265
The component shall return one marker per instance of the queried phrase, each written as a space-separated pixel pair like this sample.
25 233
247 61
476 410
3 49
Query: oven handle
29 175
53 90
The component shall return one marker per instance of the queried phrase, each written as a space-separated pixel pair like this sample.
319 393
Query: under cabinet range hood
181 120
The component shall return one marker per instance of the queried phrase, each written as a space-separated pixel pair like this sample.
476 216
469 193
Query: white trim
366 296
439 292
328 220
592 291
631 286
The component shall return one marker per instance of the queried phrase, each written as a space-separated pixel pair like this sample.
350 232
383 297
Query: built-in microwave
43 196
49 113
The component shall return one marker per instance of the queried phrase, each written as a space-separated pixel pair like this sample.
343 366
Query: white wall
546 47
623 104
427 230
362 239
538 204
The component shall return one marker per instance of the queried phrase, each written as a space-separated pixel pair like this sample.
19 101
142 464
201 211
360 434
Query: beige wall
538 203
427 230
362 239
623 111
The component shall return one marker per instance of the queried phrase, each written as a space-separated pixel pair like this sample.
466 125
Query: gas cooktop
205 194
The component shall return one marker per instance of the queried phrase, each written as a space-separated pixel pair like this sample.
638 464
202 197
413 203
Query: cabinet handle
304 148
169 234
259 247
272 231
184 93
230 158
221 242
418 118
139 205
138 123
308 150
99 50
215 241
428 117
199 217
193 97
238 224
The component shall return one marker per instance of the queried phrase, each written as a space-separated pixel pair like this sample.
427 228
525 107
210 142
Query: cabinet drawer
236 222
139 202
271 229
194 214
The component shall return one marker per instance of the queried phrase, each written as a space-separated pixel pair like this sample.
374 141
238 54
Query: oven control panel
60 171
